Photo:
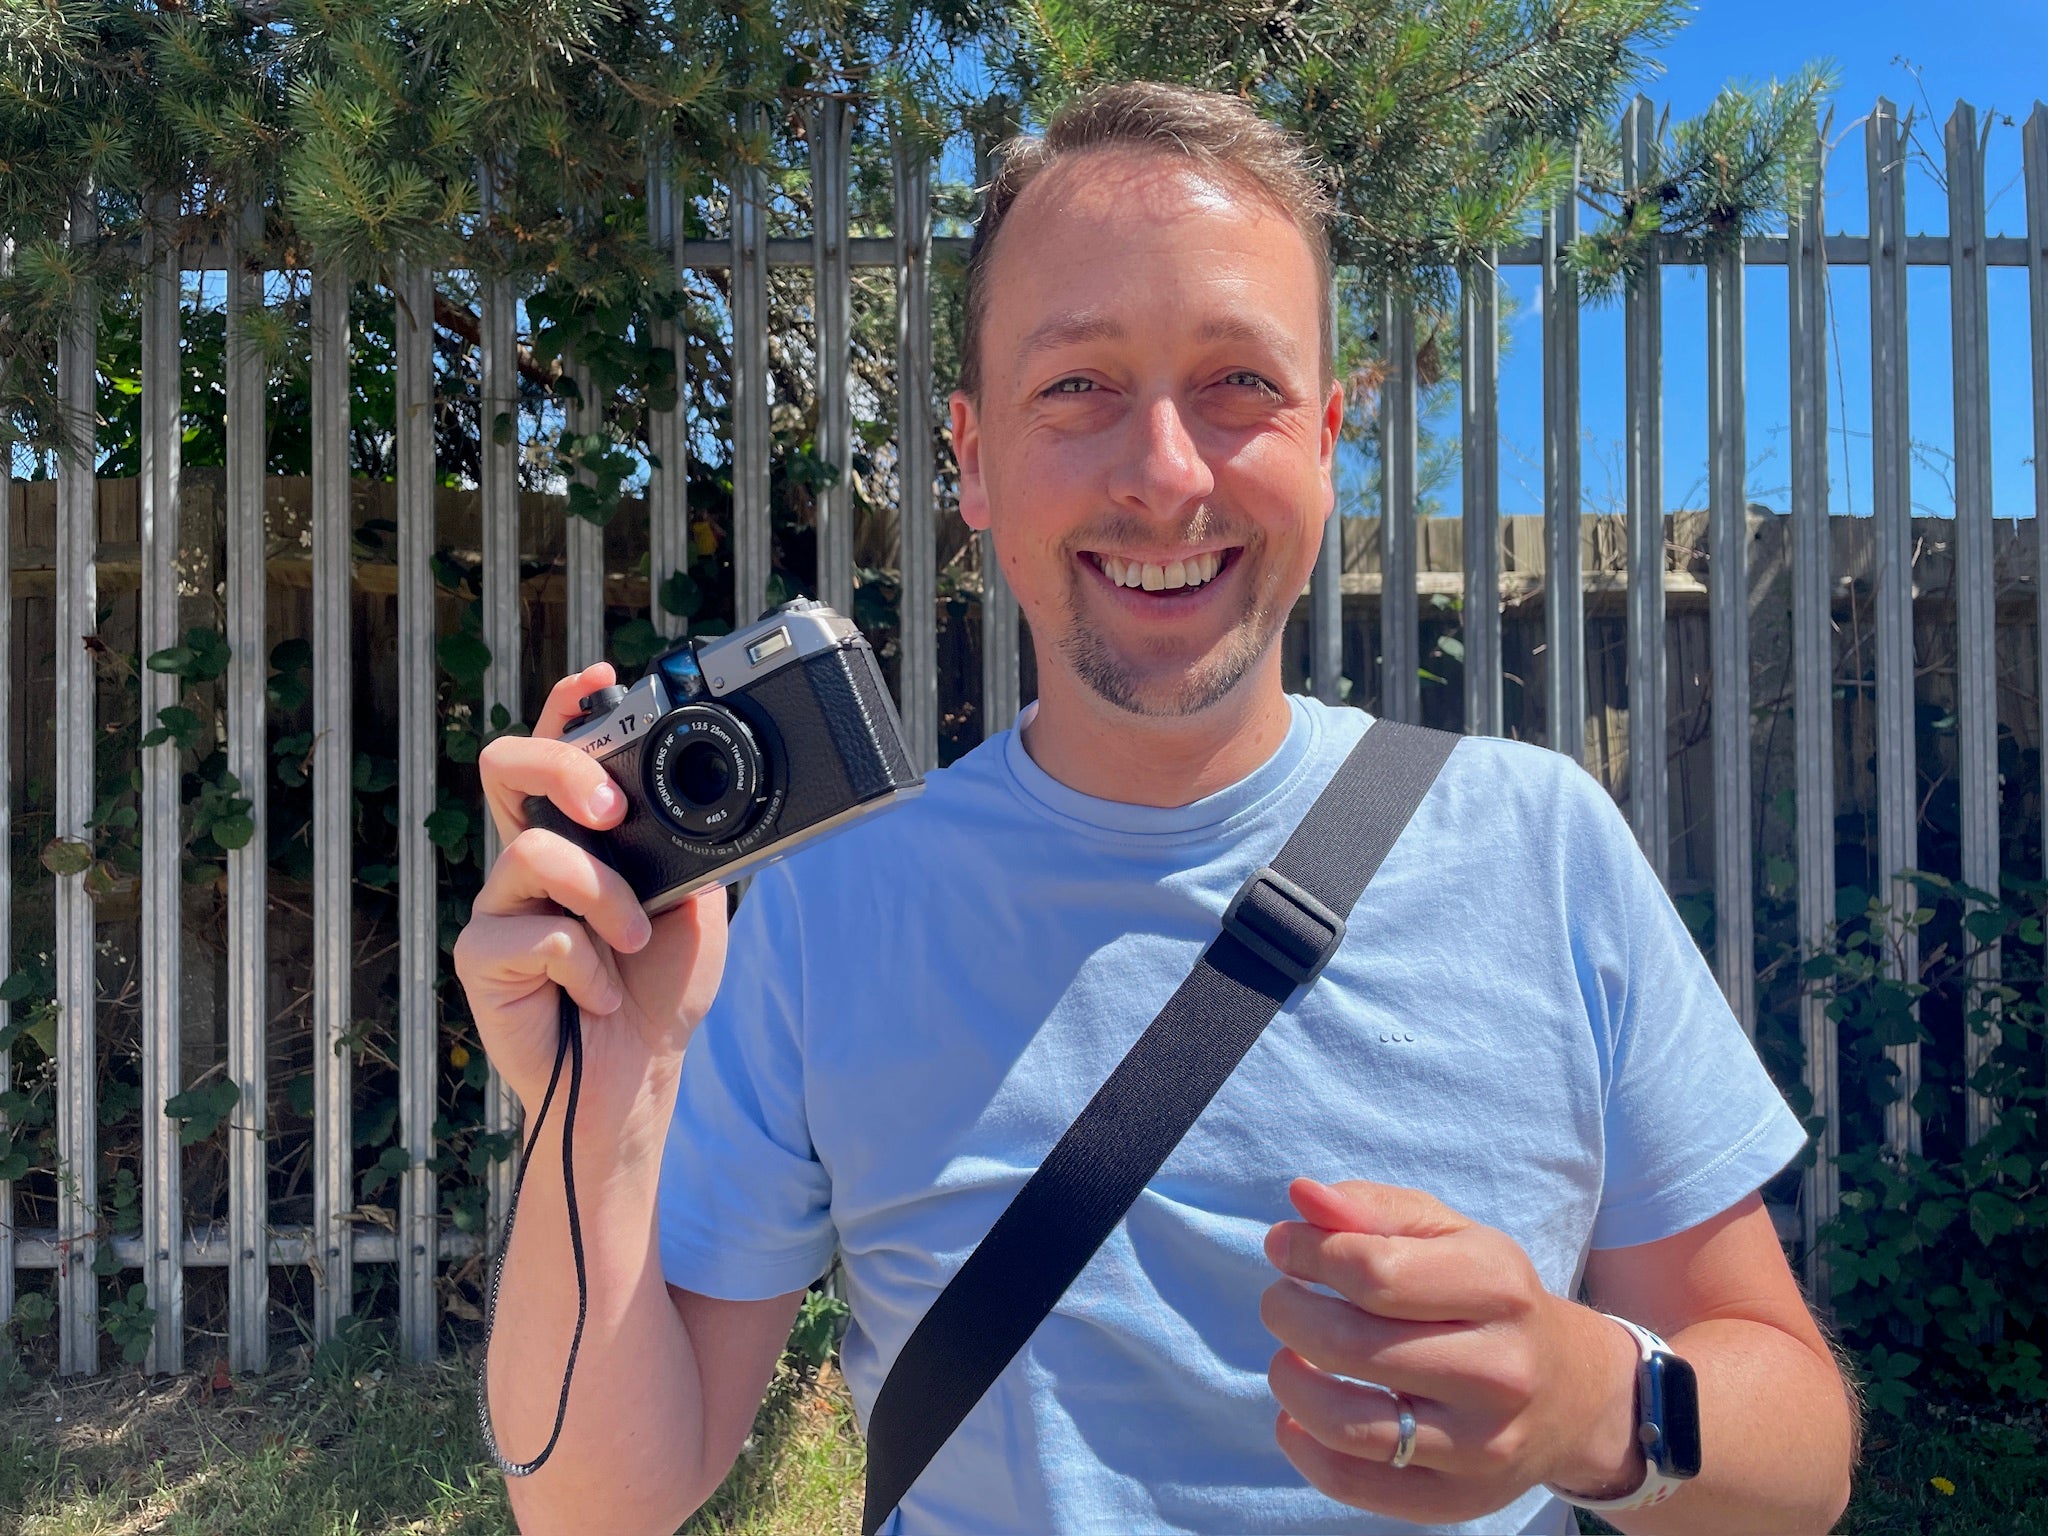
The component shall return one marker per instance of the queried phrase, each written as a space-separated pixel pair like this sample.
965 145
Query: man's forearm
1776 1432
631 1453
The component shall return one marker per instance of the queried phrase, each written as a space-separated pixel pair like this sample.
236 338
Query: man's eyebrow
1258 332
1069 329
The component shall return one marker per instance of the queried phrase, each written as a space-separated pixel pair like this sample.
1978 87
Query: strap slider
1284 926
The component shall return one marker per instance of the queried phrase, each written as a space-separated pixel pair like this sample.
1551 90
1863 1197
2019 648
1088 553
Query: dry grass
355 1447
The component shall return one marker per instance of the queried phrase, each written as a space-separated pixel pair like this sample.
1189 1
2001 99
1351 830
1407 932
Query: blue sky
1992 53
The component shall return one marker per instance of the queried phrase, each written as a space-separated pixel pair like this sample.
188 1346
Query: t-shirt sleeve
745 1206
1693 1121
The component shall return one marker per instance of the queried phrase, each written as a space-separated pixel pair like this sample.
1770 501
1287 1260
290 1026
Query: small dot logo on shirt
1397 1037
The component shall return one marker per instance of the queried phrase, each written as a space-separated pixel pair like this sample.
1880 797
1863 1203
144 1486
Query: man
1516 1074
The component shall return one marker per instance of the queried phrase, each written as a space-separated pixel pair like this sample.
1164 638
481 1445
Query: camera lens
702 775
706 773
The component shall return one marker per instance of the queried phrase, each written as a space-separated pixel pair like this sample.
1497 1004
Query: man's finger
1412 1493
513 767
1352 1419
565 699
538 871
1387 1209
1422 1359
1421 1279
507 959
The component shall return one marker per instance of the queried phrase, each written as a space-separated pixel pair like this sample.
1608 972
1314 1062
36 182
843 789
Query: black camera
733 751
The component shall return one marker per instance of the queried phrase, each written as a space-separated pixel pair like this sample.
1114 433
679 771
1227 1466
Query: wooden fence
1676 609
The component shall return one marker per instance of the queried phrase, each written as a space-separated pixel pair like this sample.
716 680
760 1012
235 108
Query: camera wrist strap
569 1047
1279 931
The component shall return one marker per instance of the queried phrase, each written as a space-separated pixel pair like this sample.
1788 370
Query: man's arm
1777 1424
1512 1386
667 1381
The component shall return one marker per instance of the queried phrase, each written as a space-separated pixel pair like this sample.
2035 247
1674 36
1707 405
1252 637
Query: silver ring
1404 1447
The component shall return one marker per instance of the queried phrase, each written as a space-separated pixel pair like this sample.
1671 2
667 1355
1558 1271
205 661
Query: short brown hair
1221 133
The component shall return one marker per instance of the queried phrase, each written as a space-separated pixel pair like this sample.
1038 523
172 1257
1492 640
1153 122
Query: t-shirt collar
1207 815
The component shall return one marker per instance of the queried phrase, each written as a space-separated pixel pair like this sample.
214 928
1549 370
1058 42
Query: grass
357 1446
369 1449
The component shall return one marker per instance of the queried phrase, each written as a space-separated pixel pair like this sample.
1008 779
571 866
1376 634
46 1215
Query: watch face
1676 1406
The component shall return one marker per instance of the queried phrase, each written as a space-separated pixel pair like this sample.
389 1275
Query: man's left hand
1510 1385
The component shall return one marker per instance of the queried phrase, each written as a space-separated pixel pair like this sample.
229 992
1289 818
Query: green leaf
202 1109
17 986
464 657
681 596
1993 1215
637 642
67 856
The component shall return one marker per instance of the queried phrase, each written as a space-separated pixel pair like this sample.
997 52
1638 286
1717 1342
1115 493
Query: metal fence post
162 434
1400 636
1564 599
419 931
1479 444
1326 582
498 506
1976 634
917 605
332 1239
1649 790
248 760
1728 624
1813 710
751 548
1891 439
831 130
2034 155
78 1328
7 701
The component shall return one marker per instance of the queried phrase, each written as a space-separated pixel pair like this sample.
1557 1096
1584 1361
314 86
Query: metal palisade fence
415 1240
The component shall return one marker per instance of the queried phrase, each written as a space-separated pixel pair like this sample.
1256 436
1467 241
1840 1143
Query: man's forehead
1074 327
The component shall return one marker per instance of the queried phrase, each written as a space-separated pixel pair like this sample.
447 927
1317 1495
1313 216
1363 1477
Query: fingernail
605 799
643 930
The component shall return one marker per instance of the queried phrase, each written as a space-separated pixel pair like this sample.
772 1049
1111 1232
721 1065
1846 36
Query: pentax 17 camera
734 751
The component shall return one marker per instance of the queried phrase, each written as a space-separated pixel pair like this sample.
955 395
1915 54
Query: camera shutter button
603 701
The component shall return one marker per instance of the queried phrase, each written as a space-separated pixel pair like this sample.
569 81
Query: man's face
1152 448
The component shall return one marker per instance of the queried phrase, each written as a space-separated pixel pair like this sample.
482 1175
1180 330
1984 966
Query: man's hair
1221 134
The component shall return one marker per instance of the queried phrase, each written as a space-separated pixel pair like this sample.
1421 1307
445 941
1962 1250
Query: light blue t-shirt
914 1011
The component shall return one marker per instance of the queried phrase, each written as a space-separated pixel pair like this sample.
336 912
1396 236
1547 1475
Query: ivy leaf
464 657
584 502
637 642
681 596
504 429
448 828
1993 1215
17 986
202 1109
67 856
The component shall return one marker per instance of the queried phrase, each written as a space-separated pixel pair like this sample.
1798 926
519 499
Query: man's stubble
1113 678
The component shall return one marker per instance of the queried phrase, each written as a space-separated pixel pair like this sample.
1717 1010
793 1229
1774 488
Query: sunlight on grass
362 1448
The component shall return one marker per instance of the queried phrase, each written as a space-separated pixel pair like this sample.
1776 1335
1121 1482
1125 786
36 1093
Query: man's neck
1092 747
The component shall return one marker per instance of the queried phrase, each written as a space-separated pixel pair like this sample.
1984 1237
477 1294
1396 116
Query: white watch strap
1657 1485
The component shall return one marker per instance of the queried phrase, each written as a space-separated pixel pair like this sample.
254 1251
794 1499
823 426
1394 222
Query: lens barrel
706 774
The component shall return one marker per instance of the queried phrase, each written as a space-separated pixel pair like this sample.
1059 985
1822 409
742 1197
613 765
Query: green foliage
130 1322
1939 1258
820 1323
202 1109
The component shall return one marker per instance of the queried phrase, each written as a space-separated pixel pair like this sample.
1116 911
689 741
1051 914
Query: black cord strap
1283 926
569 1045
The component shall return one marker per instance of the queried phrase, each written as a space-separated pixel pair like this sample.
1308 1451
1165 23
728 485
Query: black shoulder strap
1278 933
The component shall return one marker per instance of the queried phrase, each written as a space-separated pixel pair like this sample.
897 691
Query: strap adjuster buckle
1284 926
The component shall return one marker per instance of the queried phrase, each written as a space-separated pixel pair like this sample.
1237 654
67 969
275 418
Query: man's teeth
1191 572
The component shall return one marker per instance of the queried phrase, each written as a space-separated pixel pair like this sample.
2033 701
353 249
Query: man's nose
1164 471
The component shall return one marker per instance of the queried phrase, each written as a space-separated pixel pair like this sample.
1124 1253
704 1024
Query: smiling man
1349 1300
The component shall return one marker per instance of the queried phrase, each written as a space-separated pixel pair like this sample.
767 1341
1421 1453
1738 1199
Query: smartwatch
1667 1426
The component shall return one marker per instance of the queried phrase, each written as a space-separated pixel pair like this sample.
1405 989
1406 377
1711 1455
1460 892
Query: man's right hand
553 918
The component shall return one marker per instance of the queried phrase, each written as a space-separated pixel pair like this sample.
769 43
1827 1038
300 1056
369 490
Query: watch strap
1657 1484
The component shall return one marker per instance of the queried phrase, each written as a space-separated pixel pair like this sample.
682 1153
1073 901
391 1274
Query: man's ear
1332 430
967 454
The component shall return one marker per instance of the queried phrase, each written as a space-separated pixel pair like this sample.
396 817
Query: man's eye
1071 387
1246 376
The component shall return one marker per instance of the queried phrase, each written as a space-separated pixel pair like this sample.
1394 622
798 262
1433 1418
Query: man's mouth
1163 576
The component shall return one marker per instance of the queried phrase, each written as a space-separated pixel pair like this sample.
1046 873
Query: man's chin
1157 689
